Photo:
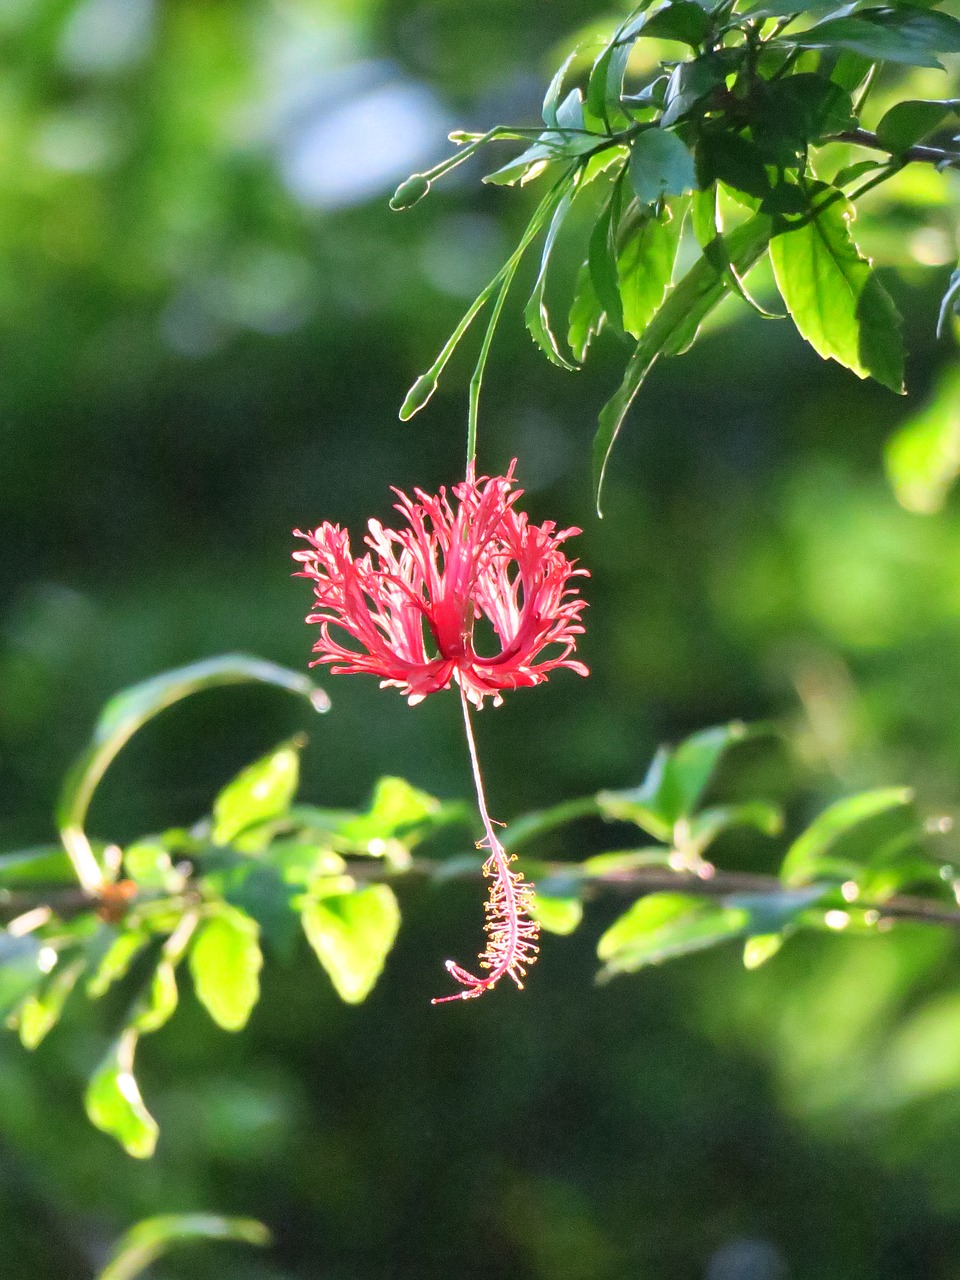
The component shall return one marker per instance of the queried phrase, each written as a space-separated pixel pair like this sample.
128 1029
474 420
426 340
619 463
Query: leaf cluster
725 146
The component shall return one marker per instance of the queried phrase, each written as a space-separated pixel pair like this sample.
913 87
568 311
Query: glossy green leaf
676 781
682 20
898 41
116 960
556 915
262 791
602 259
158 1003
586 314
825 849
396 809
645 265
536 314
689 85
114 1104
834 296
353 934
46 864
907 123
139 1247
660 165
41 1011
785 8
951 302
710 823
663 926
674 328
923 456
761 948
225 961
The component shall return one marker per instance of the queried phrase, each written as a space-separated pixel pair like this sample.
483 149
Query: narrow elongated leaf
674 328
663 926
158 1004
352 934
116 960
262 791
834 296
152 1238
602 257
819 851
535 313
586 314
645 266
225 961
951 302
114 1104
902 42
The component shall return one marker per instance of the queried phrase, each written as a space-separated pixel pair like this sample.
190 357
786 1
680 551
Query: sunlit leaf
645 266
556 915
114 1104
761 948
41 1011
834 296
535 313
663 926
225 961
150 1239
352 934
116 960
841 837
660 165
262 791
907 123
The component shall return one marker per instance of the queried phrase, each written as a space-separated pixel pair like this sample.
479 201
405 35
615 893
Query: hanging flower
406 610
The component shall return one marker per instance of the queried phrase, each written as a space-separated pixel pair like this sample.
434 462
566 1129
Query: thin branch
922 154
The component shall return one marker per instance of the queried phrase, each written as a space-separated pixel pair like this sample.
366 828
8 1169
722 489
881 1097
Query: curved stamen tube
511 933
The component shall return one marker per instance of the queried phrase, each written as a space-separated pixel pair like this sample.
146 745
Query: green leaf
40 1012
139 1247
602 258
535 314
707 229
663 926
225 961
396 809
46 864
733 160
785 8
116 961
128 711
682 20
531 825
23 962
556 915
841 837
262 791
761 948
676 780
910 122
114 1104
897 41
834 296
158 1004
660 165
586 314
645 266
691 82
923 457
352 934
148 863
674 328
710 823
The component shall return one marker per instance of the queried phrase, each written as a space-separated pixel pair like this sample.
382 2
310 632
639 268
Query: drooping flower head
410 604
407 610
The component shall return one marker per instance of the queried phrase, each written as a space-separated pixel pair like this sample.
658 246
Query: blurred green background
208 319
